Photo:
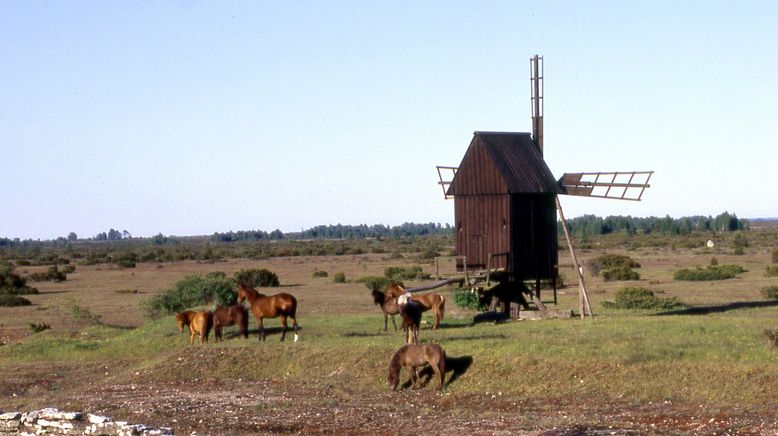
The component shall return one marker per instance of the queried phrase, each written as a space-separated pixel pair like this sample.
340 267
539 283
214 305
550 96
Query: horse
413 356
230 315
388 306
433 301
272 306
184 319
199 323
410 311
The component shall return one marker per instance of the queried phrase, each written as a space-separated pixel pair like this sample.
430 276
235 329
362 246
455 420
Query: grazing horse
270 306
433 301
230 315
410 311
199 323
388 306
413 356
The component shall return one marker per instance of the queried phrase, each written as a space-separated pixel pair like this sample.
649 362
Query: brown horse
413 356
272 306
199 323
433 301
230 315
388 306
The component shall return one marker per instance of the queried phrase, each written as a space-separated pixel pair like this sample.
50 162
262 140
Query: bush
339 278
770 292
714 261
53 274
641 298
319 274
126 259
775 255
37 328
712 272
191 291
7 300
619 273
255 277
400 273
377 283
612 261
771 271
467 299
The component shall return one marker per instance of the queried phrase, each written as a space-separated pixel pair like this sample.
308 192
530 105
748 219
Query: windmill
506 202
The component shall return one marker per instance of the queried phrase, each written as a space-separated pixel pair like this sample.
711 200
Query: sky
193 117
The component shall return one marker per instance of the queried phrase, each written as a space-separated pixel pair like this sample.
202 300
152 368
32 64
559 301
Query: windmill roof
513 156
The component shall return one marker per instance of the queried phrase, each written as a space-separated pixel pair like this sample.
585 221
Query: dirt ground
229 406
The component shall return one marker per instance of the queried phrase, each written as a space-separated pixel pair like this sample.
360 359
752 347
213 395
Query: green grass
717 359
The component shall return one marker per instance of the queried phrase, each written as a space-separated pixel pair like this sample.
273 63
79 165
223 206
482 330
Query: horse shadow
454 365
269 331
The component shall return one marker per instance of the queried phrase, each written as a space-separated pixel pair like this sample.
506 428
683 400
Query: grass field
704 370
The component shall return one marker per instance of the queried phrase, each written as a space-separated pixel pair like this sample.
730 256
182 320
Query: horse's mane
378 297
394 366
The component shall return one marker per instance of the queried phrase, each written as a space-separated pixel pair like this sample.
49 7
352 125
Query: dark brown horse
199 323
412 356
388 306
230 315
270 306
410 311
428 301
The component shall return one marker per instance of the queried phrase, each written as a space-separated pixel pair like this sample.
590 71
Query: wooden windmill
506 204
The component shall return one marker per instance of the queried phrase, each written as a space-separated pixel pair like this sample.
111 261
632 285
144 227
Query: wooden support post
583 300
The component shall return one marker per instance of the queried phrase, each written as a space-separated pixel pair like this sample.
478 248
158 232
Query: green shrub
319 274
712 272
191 291
256 277
339 278
126 259
7 300
775 255
466 299
770 292
771 271
373 282
714 261
641 298
612 261
53 274
37 328
619 273
400 273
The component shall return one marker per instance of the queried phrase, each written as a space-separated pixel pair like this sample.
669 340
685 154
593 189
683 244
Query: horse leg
435 368
393 323
294 325
283 327
386 321
261 329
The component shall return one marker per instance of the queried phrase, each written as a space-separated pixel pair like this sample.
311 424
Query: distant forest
587 225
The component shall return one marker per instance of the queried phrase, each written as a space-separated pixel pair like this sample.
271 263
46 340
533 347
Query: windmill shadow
705 310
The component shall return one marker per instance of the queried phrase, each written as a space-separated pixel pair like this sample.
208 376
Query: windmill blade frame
616 185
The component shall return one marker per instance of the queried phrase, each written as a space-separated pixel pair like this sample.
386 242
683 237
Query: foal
413 356
230 315
199 323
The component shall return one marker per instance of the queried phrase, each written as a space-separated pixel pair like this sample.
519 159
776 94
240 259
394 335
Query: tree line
339 231
591 225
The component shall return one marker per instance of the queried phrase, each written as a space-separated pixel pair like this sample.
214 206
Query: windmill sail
619 185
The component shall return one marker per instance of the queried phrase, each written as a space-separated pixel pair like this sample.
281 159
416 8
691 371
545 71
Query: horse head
378 297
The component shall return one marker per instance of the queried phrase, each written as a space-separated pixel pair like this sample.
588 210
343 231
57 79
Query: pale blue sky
195 117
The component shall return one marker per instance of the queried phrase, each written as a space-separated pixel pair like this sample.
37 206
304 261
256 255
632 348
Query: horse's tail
442 366
442 306
378 297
